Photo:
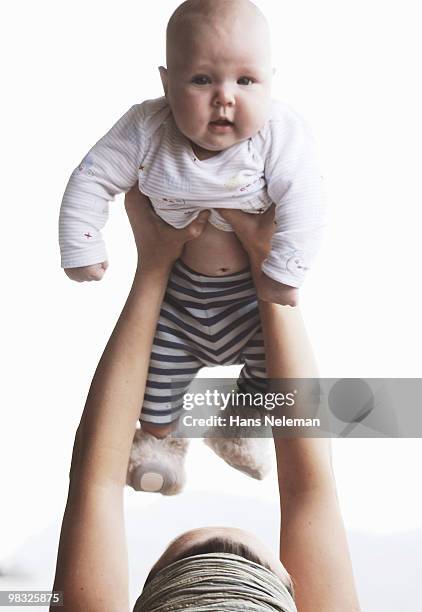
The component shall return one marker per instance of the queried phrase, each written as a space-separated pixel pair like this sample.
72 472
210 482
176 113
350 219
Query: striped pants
204 321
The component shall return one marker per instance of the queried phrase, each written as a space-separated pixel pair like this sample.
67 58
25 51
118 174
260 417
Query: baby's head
218 68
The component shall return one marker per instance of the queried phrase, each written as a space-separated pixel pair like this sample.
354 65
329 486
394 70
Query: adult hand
255 233
158 243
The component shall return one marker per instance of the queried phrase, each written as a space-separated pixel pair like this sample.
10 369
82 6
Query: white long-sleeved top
277 165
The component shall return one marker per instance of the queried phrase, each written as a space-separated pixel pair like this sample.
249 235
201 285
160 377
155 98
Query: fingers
245 223
97 274
231 215
140 212
236 216
132 197
136 203
269 214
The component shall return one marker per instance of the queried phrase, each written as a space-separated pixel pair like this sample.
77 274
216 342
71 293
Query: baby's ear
163 75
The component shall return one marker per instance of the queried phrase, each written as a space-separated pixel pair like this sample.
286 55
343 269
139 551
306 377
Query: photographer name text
237 421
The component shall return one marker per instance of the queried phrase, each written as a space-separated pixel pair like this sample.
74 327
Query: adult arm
313 544
92 567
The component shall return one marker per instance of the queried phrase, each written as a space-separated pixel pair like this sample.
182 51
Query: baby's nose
224 97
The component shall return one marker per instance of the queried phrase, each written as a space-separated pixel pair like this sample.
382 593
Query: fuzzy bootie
156 465
236 446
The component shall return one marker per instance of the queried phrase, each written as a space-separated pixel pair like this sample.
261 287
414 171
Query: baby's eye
245 81
201 79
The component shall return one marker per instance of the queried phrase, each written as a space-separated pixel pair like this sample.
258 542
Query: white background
69 71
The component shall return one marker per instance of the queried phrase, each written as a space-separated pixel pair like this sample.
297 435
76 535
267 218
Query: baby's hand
87 273
270 290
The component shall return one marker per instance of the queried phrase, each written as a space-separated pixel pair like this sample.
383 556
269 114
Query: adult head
215 567
218 75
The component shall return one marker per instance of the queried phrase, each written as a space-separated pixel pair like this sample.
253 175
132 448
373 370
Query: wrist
257 256
157 272
256 259
155 266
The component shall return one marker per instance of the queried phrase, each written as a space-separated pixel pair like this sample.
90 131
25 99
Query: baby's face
218 83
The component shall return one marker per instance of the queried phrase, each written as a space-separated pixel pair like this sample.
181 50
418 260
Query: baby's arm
294 183
109 168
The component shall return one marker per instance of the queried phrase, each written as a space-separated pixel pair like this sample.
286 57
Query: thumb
197 226
203 217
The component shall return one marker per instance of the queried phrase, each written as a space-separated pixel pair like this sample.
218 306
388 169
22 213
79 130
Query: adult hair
215 581
218 544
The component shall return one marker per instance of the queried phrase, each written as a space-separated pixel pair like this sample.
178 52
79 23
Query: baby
215 140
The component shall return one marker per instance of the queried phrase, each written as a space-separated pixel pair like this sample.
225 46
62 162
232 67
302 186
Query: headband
215 581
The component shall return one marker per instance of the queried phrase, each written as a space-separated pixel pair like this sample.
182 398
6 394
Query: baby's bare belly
215 253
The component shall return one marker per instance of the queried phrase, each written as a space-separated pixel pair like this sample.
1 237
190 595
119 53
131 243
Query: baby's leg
253 375
159 431
247 449
157 458
172 369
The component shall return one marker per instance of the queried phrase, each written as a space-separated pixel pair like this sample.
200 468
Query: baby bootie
236 446
156 465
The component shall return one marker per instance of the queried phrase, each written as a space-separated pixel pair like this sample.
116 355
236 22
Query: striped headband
215 581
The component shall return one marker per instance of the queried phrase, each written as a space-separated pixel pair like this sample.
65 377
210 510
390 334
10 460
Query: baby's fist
270 290
87 273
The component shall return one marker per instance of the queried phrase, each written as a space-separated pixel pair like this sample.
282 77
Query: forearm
92 560
288 350
92 564
314 550
115 397
82 217
313 544
295 185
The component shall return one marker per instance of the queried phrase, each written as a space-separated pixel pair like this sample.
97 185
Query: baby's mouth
221 122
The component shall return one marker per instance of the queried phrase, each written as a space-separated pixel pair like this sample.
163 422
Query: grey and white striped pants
204 321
